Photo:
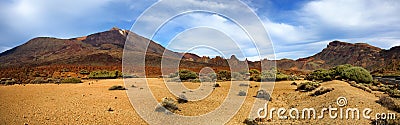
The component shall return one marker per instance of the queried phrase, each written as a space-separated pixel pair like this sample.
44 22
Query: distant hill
375 59
45 55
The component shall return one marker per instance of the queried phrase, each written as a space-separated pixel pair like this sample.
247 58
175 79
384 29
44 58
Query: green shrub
338 70
358 74
174 80
254 72
104 74
71 80
249 121
320 74
187 74
117 87
308 86
224 75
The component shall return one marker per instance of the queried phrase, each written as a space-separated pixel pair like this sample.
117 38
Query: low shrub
393 93
320 74
224 75
249 121
104 74
243 84
358 74
237 76
182 99
307 86
117 87
205 79
84 71
263 95
254 72
216 85
169 104
194 80
176 79
281 77
338 70
294 83
8 81
322 91
187 74
386 122
242 93
71 80
390 103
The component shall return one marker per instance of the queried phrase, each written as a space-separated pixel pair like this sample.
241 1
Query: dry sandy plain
89 104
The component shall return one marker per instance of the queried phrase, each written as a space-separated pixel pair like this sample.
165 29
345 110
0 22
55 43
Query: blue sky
297 28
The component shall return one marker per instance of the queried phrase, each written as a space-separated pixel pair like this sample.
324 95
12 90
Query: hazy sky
297 29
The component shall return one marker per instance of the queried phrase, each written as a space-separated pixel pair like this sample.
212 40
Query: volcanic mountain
103 51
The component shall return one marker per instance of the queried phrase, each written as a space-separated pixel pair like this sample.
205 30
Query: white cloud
26 19
233 11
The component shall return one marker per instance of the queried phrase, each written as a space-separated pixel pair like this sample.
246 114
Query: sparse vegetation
117 87
216 85
308 86
358 74
8 81
320 74
167 103
105 74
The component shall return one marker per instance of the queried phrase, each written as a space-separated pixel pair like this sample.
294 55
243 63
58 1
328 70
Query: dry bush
182 99
249 121
390 103
117 87
308 86
322 91
242 93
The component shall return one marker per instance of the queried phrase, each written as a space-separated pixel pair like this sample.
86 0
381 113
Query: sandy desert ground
95 104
